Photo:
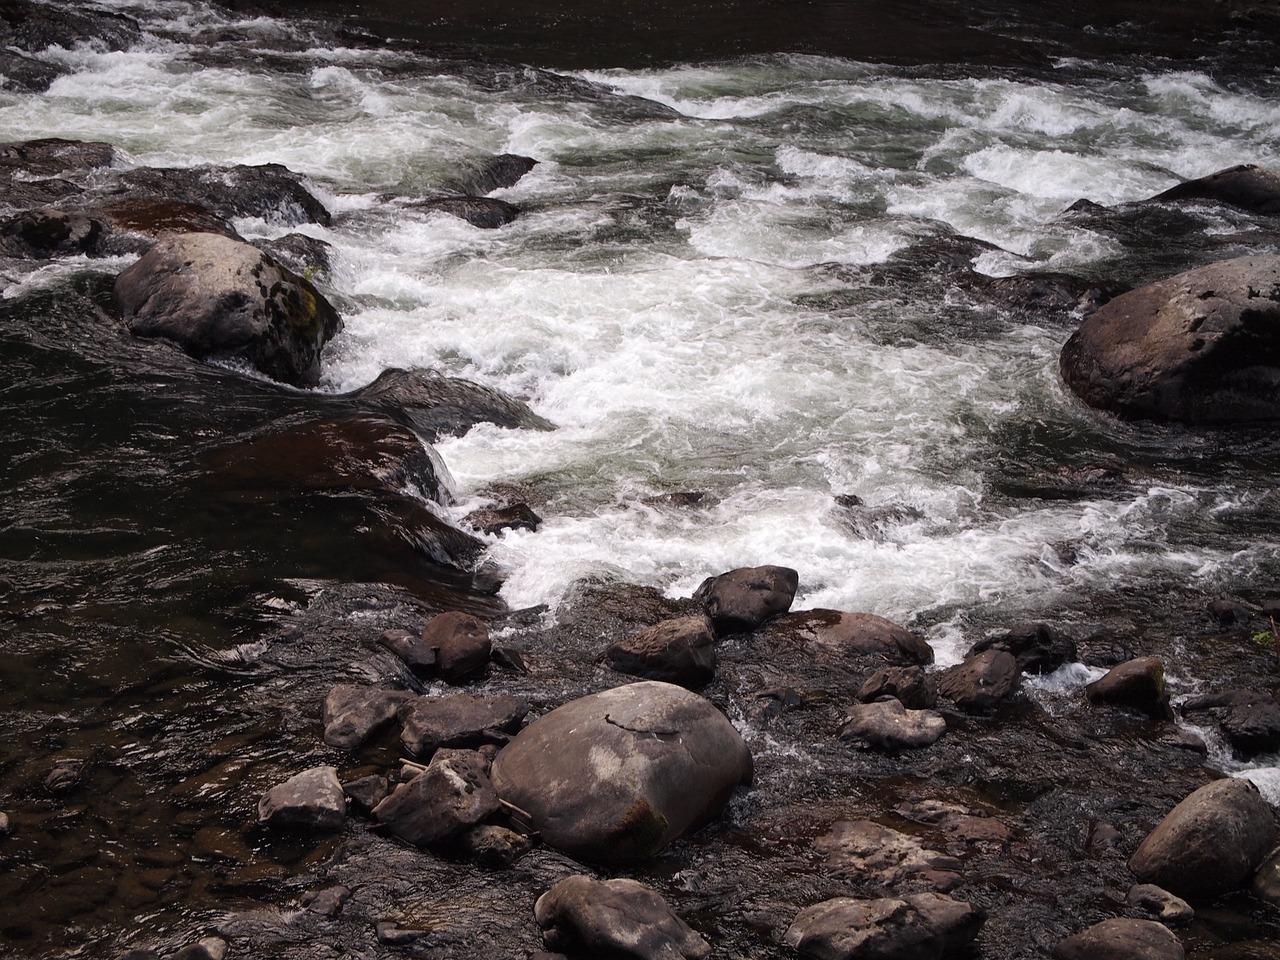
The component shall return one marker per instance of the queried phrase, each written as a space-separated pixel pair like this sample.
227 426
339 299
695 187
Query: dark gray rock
53 156
365 793
352 714
446 406
460 720
865 849
911 686
461 643
327 902
888 725
267 191
483 212
1247 186
1137 684
1121 939
922 926
492 521
618 775
616 918
836 635
1157 900
494 173
313 798
1210 843
493 846
450 797
1038 647
34 27
26 74
1266 879
66 775
47 232
308 257
216 297
743 599
982 681
1199 347
1249 719
418 655
680 651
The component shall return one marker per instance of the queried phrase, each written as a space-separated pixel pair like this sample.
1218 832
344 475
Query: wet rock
1228 612
446 406
46 233
1038 647
494 173
327 902
617 775
492 521
36 27
1157 900
1266 879
922 926
483 212
313 798
680 651
208 948
268 191
863 848
1249 719
683 499
888 725
911 686
1121 939
52 156
416 654
1247 186
308 257
352 714
1137 684
1199 347
839 635
365 793
982 681
65 775
6 827
619 918
1104 651
494 846
461 643
140 953
460 720
26 74
452 795
743 599
1210 843
220 298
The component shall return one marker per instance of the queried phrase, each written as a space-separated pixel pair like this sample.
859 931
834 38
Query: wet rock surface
1121 939
313 798
982 681
744 599
458 720
888 725
680 651
1247 186
915 927
615 918
1137 684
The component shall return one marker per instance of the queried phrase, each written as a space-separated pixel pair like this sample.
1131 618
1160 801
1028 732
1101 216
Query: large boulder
1121 939
267 191
743 599
217 297
617 775
922 926
1247 186
1199 347
1210 843
615 918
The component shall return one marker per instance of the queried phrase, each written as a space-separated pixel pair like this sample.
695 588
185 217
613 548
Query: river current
725 279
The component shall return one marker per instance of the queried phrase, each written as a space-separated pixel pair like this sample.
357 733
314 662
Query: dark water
174 602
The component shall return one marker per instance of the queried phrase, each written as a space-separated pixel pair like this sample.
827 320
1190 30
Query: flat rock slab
313 798
616 918
1122 939
922 926
617 775
460 720
864 848
352 714
842 635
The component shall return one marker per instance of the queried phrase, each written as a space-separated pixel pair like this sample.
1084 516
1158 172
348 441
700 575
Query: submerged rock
313 798
483 212
494 173
1157 900
864 849
216 297
1249 719
617 775
922 926
743 599
1247 186
680 651
888 725
493 521
1199 347
615 918
1121 939
267 191
1266 880
1210 843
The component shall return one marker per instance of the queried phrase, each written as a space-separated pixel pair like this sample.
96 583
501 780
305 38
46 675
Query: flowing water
730 276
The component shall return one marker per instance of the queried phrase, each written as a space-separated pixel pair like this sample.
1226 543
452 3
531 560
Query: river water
737 272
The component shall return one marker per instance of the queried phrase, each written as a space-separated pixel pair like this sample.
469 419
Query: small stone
620 918
492 521
1038 647
460 720
1227 612
209 948
5 826
494 846
921 926
982 681
888 725
65 775
327 902
391 934
1266 879
1137 684
367 792
461 642
312 798
910 686
680 651
1121 939
1157 900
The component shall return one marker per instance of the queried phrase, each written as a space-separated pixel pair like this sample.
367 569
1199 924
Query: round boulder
617 775
1121 939
219 297
742 599
1210 843
680 651
1199 347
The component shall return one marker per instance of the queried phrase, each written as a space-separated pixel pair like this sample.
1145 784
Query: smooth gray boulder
217 297
313 798
1210 843
615 918
743 599
888 725
922 926
450 797
1121 939
617 775
680 651
1199 347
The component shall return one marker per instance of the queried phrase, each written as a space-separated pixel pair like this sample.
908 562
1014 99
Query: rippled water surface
746 277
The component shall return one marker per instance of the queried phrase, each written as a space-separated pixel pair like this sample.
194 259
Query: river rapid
777 272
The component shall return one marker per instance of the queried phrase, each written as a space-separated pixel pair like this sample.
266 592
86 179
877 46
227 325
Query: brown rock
1137 684
982 681
461 642
680 651
1121 939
